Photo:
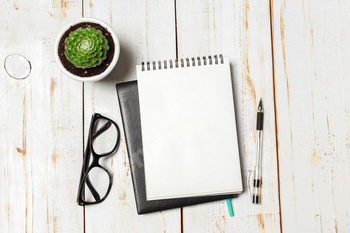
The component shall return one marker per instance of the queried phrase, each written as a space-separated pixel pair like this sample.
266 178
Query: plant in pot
87 49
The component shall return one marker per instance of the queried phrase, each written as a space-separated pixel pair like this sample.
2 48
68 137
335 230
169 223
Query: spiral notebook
188 128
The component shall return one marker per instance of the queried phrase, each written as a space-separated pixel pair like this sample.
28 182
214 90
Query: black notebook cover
130 112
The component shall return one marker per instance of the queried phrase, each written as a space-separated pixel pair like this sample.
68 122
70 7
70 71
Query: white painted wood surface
45 118
40 123
312 66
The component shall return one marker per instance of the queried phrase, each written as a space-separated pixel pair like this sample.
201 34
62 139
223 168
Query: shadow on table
124 68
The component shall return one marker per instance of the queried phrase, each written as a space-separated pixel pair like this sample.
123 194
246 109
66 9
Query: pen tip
260 107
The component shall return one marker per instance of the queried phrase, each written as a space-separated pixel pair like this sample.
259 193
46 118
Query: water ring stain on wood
17 66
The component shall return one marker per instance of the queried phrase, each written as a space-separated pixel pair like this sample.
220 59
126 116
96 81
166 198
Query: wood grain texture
312 66
239 30
146 32
40 123
41 127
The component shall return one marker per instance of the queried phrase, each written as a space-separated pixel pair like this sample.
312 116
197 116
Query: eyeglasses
95 181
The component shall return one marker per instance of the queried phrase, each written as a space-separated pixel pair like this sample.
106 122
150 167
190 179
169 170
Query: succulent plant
86 47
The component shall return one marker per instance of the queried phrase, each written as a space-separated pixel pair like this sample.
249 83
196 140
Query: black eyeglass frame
84 178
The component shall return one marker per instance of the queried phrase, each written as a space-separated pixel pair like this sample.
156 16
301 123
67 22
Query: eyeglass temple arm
88 182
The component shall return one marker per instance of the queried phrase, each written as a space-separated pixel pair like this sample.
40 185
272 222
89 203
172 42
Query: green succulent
86 47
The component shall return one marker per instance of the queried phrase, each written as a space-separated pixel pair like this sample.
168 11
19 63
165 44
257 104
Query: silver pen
256 195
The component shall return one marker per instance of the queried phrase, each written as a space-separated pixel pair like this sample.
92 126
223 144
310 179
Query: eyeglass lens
99 179
105 136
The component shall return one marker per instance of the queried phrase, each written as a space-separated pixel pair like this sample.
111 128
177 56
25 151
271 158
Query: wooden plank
312 67
239 30
41 128
146 32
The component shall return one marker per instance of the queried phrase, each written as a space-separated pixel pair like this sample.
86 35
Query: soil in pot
88 72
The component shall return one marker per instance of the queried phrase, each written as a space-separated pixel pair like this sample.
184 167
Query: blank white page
189 131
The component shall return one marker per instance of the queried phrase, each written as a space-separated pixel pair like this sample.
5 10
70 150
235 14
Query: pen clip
249 182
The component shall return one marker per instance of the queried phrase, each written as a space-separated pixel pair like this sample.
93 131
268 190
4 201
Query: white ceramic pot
109 68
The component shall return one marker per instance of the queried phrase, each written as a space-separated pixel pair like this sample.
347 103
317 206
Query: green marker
229 206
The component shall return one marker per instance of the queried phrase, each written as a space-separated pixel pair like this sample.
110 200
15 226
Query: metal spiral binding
187 62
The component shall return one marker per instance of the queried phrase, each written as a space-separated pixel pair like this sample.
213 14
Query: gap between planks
83 118
275 107
177 57
176 38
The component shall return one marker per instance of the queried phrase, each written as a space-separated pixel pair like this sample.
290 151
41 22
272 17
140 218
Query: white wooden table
293 54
